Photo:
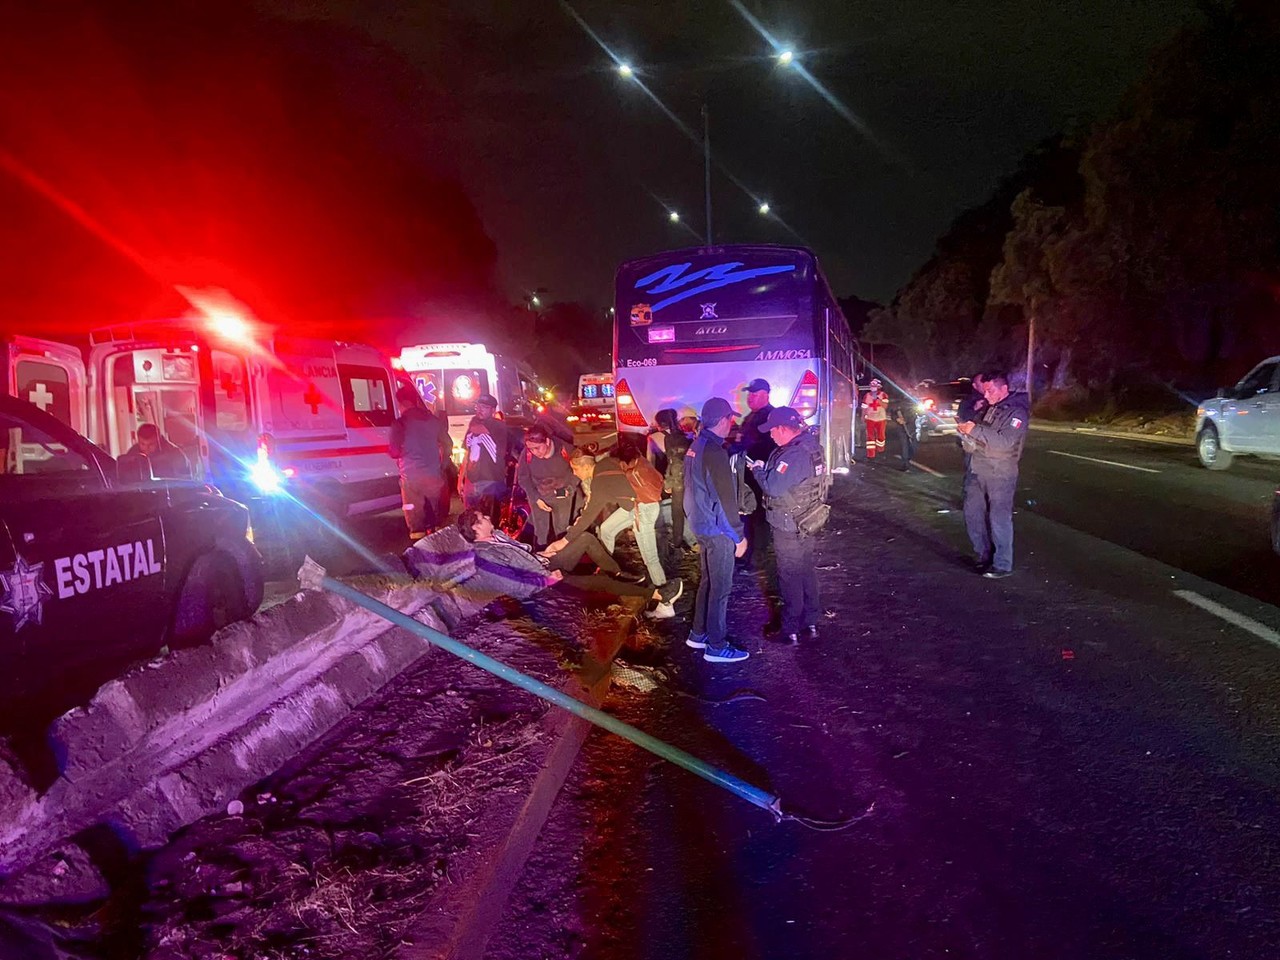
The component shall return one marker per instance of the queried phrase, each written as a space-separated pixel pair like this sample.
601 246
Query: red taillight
629 414
805 400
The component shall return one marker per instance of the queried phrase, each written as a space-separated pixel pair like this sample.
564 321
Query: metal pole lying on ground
312 576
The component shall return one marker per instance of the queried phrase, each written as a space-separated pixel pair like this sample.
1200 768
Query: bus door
50 375
158 385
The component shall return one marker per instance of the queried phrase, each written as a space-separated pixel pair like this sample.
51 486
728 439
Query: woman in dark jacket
675 445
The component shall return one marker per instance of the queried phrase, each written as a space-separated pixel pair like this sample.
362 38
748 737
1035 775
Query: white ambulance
270 420
450 376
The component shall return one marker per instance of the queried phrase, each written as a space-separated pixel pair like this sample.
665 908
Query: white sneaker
662 611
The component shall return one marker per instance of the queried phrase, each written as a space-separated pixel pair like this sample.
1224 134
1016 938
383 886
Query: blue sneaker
726 654
697 640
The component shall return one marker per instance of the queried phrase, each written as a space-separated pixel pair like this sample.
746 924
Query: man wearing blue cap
711 505
794 481
757 445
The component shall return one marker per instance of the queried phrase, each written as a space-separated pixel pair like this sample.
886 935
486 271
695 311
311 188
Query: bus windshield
752 303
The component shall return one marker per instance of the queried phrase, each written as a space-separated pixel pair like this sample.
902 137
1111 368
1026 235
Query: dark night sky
570 168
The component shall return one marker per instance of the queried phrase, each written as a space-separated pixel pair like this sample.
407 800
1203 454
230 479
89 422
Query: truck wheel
1210 451
211 598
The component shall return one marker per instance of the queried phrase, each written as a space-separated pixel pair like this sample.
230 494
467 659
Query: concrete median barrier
176 739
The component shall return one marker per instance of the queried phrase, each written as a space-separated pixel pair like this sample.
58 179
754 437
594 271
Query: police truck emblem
708 311
24 593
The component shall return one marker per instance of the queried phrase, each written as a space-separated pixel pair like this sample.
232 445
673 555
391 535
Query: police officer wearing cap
756 444
794 481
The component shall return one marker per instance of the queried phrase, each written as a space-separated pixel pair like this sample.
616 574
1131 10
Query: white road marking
1109 463
1259 630
921 466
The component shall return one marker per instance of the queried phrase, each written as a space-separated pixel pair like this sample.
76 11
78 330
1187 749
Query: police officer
794 481
994 443
757 444
420 444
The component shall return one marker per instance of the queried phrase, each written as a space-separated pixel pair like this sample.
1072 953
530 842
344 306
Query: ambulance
450 376
294 427
595 390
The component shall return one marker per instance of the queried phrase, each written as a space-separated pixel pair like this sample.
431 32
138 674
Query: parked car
1244 419
101 565
937 405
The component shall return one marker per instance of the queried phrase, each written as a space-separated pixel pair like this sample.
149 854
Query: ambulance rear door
50 375
370 478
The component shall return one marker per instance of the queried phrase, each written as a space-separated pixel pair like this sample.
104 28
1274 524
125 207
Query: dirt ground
339 854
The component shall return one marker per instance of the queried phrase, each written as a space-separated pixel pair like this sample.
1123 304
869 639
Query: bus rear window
713 308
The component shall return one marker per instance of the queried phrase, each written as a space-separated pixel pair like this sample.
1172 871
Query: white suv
1241 419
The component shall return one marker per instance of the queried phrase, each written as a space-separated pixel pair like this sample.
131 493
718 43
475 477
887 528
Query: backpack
646 481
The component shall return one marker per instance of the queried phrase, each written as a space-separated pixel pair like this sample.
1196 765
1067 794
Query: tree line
1145 249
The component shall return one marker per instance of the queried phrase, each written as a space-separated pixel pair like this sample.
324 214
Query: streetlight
535 300
785 57
673 217
625 71
764 209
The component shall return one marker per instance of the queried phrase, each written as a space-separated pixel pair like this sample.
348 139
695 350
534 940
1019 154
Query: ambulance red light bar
629 414
805 400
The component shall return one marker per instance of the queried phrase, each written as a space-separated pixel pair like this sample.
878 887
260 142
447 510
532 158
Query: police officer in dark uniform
756 443
794 481
994 444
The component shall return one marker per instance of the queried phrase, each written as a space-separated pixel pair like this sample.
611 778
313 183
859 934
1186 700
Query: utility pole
1031 351
706 159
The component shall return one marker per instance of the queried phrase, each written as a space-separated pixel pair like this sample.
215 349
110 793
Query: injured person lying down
581 562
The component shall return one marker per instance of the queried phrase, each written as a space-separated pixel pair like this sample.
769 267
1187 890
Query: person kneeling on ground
557 563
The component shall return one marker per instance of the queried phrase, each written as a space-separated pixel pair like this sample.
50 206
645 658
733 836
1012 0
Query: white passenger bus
704 322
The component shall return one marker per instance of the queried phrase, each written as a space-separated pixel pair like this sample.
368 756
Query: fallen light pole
312 576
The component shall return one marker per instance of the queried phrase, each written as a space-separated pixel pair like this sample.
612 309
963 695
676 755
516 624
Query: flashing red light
629 414
805 400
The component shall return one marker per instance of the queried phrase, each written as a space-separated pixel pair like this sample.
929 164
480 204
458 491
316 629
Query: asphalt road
1153 498
1080 762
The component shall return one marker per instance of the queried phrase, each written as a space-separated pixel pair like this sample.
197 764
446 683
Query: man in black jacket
711 503
995 444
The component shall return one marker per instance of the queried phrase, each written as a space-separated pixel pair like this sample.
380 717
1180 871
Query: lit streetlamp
764 209
673 216
625 71
785 57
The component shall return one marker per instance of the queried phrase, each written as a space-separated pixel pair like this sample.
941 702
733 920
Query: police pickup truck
101 565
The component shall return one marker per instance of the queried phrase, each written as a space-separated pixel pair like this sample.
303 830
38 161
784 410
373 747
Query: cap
784 417
715 410
757 384
487 400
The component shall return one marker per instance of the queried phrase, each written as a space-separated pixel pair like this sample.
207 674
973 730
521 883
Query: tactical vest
783 512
